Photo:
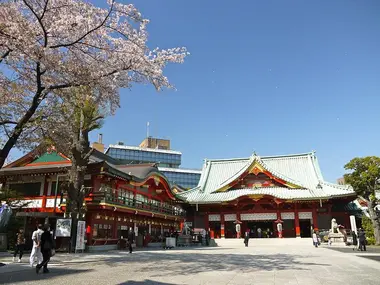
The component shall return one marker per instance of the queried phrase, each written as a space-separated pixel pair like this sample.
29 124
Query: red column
315 217
279 232
297 221
207 226
115 223
221 225
212 231
238 234
44 194
89 227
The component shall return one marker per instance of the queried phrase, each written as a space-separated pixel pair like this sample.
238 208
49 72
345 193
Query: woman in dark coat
47 246
246 239
362 240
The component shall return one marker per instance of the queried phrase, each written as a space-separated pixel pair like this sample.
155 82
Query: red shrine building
260 192
119 197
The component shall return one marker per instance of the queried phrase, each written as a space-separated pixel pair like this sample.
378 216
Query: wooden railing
102 197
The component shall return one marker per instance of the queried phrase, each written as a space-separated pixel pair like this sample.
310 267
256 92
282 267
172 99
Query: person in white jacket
36 250
315 239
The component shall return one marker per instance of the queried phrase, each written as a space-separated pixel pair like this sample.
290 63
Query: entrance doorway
266 228
229 230
305 228
214 229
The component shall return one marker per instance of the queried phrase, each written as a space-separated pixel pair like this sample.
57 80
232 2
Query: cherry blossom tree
48 46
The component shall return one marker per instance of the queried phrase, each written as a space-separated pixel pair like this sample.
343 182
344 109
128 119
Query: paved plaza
265 261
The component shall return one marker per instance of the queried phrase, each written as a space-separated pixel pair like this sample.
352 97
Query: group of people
43 247
359 240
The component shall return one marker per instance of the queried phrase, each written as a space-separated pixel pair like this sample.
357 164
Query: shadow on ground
32 276
164 263
145 282
350 249
371 257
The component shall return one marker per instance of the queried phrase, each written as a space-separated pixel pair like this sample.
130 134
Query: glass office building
186 178
168 161
136 155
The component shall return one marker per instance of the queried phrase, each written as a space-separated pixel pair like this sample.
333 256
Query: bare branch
68 85
8 122
89 32
39 19
5 55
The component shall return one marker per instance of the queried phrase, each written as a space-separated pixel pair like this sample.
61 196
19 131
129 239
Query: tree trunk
75 192
12 140
375 221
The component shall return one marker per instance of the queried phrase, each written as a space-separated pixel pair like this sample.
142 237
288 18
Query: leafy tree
364 177
78 115
368 228
49 46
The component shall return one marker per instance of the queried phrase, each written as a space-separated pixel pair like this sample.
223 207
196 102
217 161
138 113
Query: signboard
353 224
63 228
81 232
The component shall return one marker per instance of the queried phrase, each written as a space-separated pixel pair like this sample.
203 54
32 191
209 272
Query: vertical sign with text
80 244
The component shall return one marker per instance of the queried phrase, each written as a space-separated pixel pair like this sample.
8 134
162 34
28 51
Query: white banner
353 224
81 232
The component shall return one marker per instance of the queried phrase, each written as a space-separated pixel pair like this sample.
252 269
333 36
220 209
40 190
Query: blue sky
275 77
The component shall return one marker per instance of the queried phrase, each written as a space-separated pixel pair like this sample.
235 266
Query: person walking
20 245
259 232
315 239
47 247
131 238
36 250
246 239
362 240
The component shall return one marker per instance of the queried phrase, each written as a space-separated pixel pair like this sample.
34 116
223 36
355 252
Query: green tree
368 228
364 177
77 115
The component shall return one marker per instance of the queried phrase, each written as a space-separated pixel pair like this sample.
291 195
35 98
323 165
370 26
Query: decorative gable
258 180
50 157
256 175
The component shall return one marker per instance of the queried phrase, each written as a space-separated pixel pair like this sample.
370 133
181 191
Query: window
102 231
27 189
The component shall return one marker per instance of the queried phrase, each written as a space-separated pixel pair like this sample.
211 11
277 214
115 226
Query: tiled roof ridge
184 194
311 153
255 158
337 186
238 173
280 175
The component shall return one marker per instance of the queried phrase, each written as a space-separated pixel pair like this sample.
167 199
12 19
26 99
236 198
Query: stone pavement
265 261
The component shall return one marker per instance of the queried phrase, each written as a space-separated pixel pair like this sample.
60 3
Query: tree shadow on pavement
145 282
32 276
158 264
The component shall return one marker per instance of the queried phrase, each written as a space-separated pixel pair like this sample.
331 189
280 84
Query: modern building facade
153 150
262 192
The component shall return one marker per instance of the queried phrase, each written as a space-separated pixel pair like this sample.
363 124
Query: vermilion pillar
44 194
207 226
297 221
238 233
315 217
221 226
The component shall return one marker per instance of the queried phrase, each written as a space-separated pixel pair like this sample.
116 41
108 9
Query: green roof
300 169
50 157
